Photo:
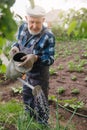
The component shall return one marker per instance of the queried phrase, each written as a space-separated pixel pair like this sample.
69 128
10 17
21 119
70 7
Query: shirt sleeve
20 34
48 50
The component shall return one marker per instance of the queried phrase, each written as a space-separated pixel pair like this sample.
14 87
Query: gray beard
32 33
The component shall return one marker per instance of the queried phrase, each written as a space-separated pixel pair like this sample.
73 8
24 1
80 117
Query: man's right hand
13 51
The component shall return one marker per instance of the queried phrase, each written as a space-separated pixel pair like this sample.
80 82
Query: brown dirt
62 78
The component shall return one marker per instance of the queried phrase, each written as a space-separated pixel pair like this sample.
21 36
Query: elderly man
38 43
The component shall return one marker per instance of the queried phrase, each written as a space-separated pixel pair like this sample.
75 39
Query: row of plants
71 66
76 51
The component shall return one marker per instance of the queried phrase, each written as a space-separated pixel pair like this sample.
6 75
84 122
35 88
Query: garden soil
63 75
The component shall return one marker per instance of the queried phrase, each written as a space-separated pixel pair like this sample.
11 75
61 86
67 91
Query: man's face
34 24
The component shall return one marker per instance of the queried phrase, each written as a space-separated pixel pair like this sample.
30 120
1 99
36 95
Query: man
38 43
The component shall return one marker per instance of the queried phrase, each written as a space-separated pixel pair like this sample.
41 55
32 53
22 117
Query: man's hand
13 51
28 60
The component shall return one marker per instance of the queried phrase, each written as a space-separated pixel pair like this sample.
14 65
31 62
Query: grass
12 114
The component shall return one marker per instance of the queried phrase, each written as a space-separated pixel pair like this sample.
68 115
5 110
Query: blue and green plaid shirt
44 48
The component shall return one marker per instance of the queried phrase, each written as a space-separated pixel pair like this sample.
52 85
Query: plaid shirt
44 48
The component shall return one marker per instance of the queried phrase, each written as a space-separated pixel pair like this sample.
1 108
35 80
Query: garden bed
68 85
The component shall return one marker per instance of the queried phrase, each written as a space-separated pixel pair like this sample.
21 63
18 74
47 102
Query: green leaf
7 2
2 68
9 28
71 27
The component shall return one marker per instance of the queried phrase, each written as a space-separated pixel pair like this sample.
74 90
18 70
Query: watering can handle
24 82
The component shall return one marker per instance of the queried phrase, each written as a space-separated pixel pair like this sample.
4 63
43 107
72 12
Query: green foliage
17 90
85 79
60 67
8 26
61 90
12 114
84 55
9 111
0 62
7 2
52 98
74 78
2 68
75 91
72 66
72 25
78 104
59 32
52 71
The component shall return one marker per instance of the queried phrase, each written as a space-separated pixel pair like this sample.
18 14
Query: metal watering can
13 70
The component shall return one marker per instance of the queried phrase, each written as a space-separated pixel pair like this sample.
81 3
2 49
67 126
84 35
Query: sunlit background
20 5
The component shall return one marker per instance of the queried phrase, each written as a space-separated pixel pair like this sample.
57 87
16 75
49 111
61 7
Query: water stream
41 107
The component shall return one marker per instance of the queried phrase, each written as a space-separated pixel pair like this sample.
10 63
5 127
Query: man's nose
34 25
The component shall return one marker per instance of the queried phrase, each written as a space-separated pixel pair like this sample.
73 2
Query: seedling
78 104
79 68
17 90
85 79
71 66
60 67
52 98
68 52
75 91
75 105
76 67
56 56
61 90
52 71
84 55
74 78
77 58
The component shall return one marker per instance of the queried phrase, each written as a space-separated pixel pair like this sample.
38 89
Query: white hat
37 11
